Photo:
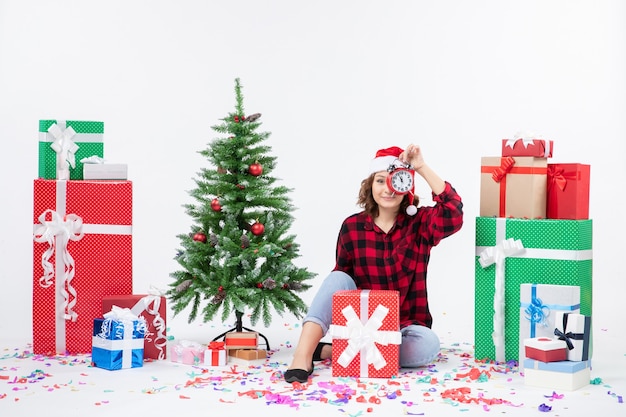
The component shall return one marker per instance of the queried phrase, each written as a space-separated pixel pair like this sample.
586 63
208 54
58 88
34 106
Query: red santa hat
381 162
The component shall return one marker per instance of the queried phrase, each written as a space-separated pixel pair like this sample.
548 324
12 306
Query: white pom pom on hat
381 162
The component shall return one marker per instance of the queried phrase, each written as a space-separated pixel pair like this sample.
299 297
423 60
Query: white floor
69 386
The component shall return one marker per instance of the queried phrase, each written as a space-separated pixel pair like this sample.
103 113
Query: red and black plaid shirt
398 260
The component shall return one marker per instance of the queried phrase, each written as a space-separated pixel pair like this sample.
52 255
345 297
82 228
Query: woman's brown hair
369 205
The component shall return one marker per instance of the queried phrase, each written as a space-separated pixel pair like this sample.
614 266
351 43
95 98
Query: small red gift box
241 340
513 187
545 349
152 309
539 148
82 252
215 354
568 191
373 315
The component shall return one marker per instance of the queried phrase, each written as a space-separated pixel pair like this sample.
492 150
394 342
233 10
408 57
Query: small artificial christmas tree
239 255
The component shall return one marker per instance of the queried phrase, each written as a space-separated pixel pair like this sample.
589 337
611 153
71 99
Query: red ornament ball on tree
257 229
199 237
215 205
255 169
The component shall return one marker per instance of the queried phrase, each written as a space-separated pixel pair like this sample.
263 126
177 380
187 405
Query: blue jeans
420 345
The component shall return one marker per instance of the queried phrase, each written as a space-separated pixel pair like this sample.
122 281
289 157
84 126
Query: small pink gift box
187 352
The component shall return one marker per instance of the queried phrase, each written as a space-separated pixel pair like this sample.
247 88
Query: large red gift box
82 252
568 191
539 148
513 187
152 309
365 333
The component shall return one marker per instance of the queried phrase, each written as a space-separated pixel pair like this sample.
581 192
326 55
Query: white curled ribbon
151 305
497 255
362 338
57 232
64 147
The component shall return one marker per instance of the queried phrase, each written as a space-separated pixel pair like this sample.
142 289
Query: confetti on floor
453 383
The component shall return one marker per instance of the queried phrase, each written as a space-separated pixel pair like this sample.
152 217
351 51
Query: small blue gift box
562 375
118 344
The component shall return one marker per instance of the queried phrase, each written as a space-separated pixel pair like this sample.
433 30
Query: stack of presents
83 299
532 277
533 266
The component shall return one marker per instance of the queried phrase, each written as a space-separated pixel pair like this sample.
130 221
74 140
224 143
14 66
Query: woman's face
383 196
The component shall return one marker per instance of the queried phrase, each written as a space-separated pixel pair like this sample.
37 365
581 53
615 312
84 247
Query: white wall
335 81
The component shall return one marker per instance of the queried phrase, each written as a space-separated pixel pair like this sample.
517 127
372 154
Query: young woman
385 247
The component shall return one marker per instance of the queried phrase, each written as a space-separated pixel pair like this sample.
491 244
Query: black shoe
317 355
298 375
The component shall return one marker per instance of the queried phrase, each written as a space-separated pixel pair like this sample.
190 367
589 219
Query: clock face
401 181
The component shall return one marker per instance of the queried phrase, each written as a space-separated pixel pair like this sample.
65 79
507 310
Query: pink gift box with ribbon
374 316
151 307
187 352
82 252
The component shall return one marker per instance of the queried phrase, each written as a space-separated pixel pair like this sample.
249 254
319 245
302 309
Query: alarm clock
400 179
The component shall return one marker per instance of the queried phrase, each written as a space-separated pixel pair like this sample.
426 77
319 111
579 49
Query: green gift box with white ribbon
62 145
511 252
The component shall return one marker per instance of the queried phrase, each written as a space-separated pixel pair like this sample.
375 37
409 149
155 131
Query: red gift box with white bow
540 148
82 252
365 333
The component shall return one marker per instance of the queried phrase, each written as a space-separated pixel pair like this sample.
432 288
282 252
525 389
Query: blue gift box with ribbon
118 341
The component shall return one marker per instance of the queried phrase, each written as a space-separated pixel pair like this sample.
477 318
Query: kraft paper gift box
539 304
215 354
248 354
187 352
539 148
373 316
241 340
117 341
105 171
545 349
513 187
68 140
152 308
575 330
82 252
557 376
511 252
568 191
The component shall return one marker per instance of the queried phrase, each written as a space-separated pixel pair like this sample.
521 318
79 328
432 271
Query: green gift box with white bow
513 251
71 141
